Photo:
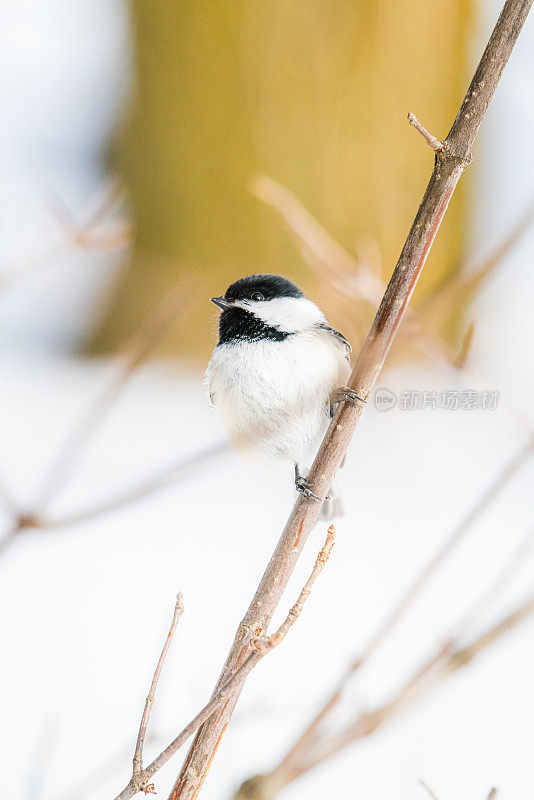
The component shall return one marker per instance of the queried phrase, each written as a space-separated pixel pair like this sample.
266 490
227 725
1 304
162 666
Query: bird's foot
302 486
344 394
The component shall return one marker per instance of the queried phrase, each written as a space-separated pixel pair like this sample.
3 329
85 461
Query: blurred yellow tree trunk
312 92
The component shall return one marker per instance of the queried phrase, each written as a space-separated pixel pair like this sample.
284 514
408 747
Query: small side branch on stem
265 643
433 142
315 746
138 755
260 646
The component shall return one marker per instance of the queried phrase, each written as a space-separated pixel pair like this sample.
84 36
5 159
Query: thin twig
75 236
467 341
265 643
487 497
127 361
260 646
166 476
305 740
466 654
99 774
299 752
333 259
88 235
445 661
433 142
449 165
161 480
138 755
493 794
427 788
472 276
497 586
441 665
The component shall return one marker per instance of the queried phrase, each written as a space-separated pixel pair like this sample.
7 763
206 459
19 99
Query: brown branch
443 663
353 279
465 655
450 163
260 646
290 765
265 643
138 755
493 794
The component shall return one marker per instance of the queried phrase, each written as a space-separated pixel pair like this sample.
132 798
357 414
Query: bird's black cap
237 323
270 286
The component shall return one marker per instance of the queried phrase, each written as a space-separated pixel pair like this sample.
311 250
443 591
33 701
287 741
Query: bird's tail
333 505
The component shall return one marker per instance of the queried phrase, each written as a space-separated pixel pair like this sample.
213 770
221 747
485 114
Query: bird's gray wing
340 339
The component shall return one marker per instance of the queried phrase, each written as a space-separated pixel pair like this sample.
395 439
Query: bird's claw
302 486
344 394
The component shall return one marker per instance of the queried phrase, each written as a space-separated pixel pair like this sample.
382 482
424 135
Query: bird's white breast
273 396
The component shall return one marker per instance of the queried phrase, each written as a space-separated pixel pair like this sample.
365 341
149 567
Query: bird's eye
258 296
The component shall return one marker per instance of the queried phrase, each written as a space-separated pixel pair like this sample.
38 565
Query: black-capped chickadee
276 375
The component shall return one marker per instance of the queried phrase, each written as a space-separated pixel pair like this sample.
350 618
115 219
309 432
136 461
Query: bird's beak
221 302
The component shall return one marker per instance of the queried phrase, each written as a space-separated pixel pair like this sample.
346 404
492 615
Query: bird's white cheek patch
289 314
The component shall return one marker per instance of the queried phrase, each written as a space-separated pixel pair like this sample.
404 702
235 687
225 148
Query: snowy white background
84 611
